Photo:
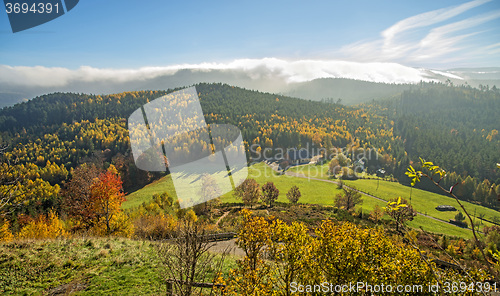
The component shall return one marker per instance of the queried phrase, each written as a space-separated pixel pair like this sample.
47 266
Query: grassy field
90 266
145 194
421 200
315 192
97 266
320 192
107 266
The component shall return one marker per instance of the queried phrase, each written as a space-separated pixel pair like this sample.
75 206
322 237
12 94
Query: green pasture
321 192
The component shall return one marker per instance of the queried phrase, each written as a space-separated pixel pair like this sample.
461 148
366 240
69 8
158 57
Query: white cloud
493 49
399 43
427 19
440 40
446 74
273 68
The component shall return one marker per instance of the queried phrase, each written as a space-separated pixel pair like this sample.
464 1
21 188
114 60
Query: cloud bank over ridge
296 78
267 68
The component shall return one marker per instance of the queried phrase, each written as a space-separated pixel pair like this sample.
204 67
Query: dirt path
221 217
228 246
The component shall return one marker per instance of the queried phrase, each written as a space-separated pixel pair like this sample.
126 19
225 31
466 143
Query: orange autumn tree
93 198
107 196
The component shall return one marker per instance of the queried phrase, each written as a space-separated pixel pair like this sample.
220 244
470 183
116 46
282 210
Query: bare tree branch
187 259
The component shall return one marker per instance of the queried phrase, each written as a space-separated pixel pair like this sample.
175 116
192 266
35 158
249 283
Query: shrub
347 253
400 211
293 194
339 253
120 225
253 275
5 234
154 226
44 226
459 217
376 214
348 199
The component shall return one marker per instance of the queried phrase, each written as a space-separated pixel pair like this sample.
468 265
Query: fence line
170 285
216 237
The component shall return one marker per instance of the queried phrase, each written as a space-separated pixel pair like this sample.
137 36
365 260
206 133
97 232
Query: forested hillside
348 91
454 126
67 171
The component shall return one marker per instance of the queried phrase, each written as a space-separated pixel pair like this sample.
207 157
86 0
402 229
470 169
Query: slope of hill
456 127
348 91
316 192
64 129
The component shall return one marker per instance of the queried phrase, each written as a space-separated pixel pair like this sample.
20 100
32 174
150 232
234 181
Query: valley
317 170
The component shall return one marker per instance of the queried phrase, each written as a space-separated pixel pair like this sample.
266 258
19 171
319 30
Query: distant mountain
476 76
348 91
313 80
352 91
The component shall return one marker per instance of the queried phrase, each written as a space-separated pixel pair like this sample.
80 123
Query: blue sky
122 34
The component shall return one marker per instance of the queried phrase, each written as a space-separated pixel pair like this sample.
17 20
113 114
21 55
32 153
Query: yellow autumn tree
43 227
291 249
280 254
348 253
5 234
253 276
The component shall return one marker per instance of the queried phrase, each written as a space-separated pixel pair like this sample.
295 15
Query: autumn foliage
93 200
348 199
249 191
5 233
293 194
270 193
43 227
107 197
278 254
78 196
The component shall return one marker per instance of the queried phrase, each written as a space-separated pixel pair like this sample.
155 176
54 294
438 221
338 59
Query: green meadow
422 201
313 192
84 266
323 193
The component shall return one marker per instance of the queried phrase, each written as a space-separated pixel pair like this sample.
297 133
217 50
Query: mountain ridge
351 82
